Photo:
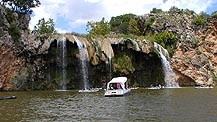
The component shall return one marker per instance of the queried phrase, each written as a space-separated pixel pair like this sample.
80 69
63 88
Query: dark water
142 105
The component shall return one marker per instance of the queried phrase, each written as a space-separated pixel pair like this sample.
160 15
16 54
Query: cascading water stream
169 75
84 57
108 51
110 68
62 56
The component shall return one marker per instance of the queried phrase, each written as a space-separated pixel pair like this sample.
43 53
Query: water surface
142 105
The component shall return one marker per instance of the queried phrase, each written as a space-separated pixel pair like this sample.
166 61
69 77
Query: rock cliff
30 61
198 63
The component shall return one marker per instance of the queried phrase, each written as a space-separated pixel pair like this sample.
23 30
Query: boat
117 87
90 90
155 87
7 97
203 87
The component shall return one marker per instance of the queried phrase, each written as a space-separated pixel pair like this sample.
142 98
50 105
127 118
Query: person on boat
119 86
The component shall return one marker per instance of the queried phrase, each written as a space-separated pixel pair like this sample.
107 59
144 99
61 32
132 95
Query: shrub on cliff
167 40
156 11
15 32
123 64
214 14
201 19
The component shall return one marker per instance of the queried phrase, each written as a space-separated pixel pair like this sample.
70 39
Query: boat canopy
121 80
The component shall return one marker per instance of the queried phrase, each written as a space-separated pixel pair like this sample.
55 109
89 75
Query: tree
21 6
214 14
156 11
120 24
98 28
45 27
133 27
174 9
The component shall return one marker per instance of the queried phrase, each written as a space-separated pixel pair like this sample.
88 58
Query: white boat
117 87
90 90
155 87
203 87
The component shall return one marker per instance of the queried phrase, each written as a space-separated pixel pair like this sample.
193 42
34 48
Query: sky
73 15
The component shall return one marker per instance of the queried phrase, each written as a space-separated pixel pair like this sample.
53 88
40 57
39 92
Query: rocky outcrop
194 61
8 66
13 29
198 63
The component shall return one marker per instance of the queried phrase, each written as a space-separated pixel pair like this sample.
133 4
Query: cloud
196 5
139 7
72 14
60 30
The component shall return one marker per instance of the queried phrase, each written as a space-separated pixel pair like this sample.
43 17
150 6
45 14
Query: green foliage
98 28
204 15
213 75
21 6
9 15
214 14
45 27
133 27
215 79
120 24
198 52
167 40
148 24
174 9
194 42
124 64
156 11
187 11
198 21
201 19
15 32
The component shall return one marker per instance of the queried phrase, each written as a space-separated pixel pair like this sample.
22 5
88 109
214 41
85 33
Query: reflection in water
166 105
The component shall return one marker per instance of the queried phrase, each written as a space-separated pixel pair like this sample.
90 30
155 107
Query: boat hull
117 93
7 97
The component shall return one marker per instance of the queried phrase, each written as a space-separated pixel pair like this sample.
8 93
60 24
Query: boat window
115 86
126 85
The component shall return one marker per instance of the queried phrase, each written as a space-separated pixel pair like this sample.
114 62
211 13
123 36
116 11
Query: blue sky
73 15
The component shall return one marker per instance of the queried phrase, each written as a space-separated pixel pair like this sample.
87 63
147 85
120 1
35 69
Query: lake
142 105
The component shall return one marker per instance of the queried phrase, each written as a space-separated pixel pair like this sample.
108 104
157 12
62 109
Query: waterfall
84 57
110 68
169 75
109 65
106 48
62 59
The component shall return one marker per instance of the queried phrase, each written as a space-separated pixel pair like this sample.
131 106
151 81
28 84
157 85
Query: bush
167 40
201 19
123 64
214 14
14 31
9 15
156 11
198 21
